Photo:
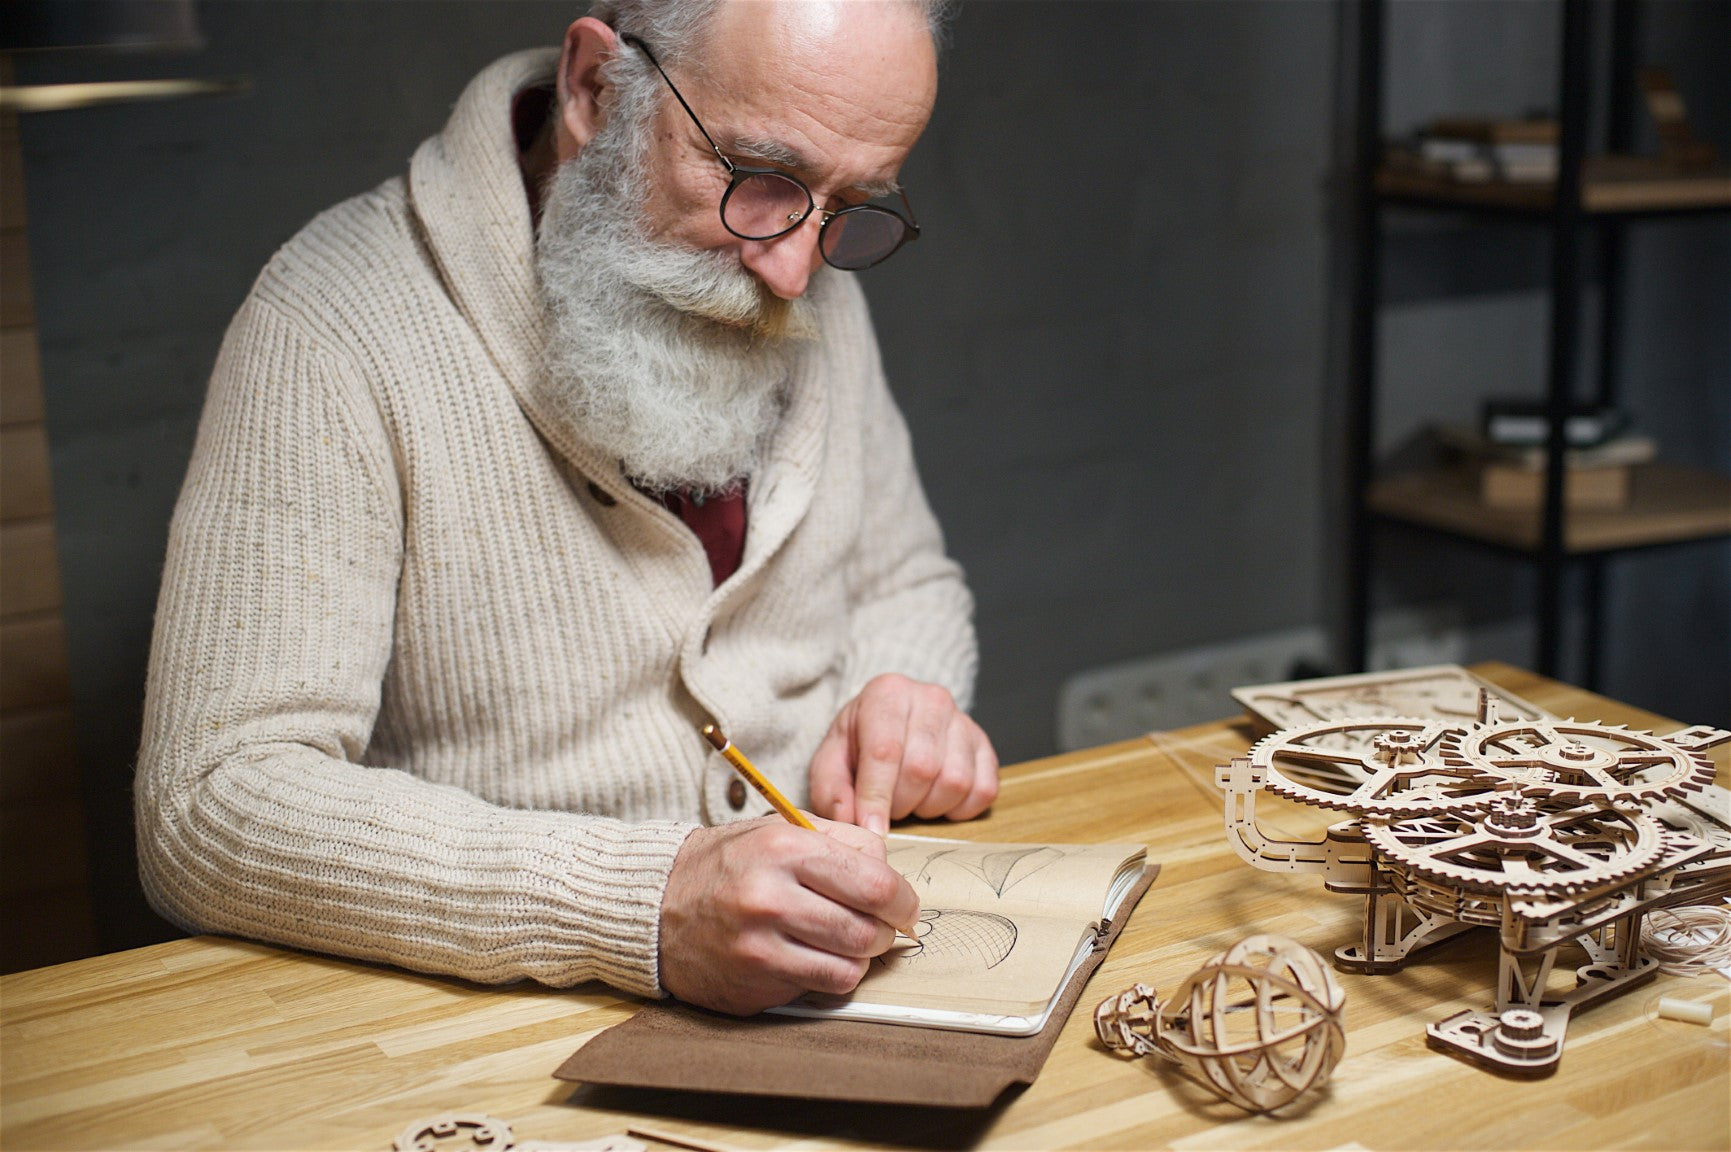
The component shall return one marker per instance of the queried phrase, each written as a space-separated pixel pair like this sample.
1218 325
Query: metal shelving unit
1597 197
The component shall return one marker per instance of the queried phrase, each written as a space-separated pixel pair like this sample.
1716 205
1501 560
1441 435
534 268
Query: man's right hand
758 912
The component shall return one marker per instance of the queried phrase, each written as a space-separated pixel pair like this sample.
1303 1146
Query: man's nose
785 264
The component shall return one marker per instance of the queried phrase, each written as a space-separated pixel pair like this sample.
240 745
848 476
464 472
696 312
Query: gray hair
674 29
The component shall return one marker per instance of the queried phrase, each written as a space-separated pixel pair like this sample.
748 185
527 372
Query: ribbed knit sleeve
274 632
911 612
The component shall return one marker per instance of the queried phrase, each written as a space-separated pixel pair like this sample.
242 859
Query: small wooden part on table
1260 1024
476 1132
1685 1010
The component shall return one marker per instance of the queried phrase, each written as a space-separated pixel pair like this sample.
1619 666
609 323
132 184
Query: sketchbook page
970 961
1000 924
1014 879
955 1013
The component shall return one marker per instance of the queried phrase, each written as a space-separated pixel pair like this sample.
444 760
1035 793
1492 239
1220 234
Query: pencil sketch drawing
1003 870
1000 869
921 874
955 940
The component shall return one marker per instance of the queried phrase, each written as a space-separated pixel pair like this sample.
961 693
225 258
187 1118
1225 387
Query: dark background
1120 342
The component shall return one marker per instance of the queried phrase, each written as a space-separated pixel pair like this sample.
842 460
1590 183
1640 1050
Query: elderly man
518 470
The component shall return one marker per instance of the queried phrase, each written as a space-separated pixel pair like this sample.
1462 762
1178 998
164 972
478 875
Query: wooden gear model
1259 1024
1555 833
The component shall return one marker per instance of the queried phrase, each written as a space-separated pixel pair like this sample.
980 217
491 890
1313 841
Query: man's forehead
794 80
762 26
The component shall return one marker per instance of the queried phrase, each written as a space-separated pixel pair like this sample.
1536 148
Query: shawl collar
467 191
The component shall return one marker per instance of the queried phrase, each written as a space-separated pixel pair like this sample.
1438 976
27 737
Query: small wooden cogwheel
1259 1024
456 1132
475 1132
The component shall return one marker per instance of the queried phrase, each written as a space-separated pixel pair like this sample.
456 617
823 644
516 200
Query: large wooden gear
1571 760
1556 833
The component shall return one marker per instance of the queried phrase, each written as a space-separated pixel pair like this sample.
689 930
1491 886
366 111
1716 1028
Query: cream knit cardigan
428 673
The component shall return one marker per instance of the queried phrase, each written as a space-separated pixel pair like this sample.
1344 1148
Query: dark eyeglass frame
740 173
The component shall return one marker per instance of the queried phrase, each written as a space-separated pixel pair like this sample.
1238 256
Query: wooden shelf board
1668 505
1612 184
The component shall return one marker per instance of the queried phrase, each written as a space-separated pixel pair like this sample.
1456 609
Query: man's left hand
902 748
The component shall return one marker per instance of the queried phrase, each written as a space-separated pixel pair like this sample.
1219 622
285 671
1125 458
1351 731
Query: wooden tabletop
216 1043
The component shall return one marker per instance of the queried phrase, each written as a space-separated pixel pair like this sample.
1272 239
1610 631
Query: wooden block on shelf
1512 486
1667 504
1610 184
1532 130
1649 184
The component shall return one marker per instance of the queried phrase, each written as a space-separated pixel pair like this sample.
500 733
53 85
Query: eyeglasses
763 203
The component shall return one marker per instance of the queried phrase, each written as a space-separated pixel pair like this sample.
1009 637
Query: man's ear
582 90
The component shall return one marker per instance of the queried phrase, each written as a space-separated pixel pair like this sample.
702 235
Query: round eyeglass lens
860 237
764 205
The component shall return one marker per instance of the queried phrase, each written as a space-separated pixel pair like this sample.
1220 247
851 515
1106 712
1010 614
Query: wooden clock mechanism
1558 834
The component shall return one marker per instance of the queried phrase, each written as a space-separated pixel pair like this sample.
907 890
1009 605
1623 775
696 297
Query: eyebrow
782 155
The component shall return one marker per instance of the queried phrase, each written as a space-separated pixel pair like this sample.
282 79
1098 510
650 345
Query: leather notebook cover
669 1045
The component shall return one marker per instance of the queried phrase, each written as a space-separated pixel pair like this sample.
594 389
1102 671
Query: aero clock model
1558 834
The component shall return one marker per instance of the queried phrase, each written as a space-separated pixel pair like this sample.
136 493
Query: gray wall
1118 342
1112 346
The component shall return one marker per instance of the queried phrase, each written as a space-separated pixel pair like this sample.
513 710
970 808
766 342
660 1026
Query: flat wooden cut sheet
1439 692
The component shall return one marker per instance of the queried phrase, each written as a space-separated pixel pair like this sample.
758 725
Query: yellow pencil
755 778
773 794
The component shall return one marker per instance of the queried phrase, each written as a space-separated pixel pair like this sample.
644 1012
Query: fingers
815 970
903 748
931 716
831 771
857 838
757 912
985 788
864 885
946 766
826 926
968 782
954 778
771 970
880 736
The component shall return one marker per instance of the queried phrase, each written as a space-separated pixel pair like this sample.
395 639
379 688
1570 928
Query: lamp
123 25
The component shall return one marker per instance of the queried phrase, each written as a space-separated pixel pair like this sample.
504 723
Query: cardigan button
736 793
602 496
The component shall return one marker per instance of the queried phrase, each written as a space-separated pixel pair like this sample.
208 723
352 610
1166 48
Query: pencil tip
713 734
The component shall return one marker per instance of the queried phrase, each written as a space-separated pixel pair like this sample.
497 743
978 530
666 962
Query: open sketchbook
1002 928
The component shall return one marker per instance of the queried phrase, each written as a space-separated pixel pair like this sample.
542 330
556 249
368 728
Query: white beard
672 361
